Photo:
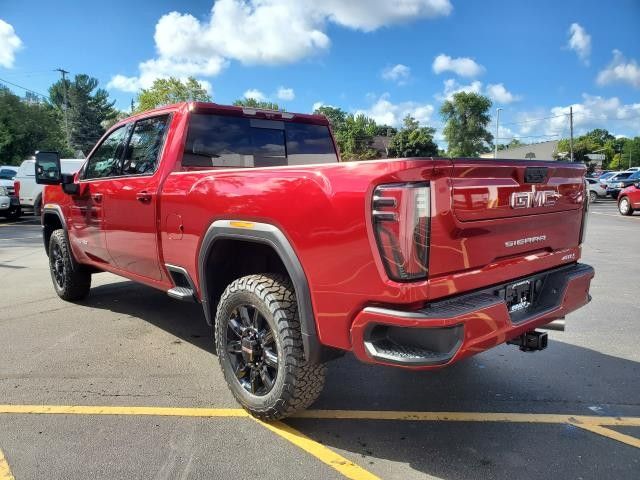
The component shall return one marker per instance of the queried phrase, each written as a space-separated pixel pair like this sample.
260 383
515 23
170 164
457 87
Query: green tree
27 125
336 116
467 118
413 140
512 144
355 138
386 131
595 141
166 91
253 103
87 106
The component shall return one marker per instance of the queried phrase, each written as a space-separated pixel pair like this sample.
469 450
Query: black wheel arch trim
57 211
270 235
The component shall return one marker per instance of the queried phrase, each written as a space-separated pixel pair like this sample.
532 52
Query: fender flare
54 210
270 235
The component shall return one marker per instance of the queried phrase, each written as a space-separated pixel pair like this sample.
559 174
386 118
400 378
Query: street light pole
495 142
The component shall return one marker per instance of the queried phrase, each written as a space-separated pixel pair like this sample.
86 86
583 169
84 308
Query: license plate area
519 296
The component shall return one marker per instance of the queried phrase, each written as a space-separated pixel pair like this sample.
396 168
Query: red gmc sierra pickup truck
297 257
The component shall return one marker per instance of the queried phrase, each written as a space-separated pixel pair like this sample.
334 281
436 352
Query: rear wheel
593 196
624 206
71 280
14 213
259 347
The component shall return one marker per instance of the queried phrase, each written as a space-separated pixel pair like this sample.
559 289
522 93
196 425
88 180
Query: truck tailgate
506 210
484 190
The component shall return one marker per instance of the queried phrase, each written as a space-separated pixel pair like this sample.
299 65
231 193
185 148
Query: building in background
533 151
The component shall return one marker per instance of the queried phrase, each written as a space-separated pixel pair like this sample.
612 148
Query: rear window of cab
237 142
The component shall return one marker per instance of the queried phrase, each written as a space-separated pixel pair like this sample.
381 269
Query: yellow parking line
607 432
115 410
5 471
322 453
470 417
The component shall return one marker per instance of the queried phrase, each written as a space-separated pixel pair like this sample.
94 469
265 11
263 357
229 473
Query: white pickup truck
29 191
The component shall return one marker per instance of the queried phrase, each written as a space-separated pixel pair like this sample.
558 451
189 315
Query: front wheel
259 347
624 206
71 280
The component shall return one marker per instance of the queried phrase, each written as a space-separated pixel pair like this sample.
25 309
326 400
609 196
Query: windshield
225 141
7 174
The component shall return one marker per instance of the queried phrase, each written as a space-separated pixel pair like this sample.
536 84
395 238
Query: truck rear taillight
401 214
16 188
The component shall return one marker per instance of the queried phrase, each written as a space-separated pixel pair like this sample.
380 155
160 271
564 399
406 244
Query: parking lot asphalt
571 411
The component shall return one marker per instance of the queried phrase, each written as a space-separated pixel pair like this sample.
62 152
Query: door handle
97 197
144 197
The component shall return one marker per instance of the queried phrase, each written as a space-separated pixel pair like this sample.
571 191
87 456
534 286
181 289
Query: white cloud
619 70
495 91
286 94
398 73
267 32
10 43
164 68
255 94
593 112
498 93
317 105
383 111
451 87
580 42
463 66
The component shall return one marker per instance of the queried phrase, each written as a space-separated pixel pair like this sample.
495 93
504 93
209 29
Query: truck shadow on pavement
564 379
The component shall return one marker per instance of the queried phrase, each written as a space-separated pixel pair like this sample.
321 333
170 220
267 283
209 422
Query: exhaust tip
557 325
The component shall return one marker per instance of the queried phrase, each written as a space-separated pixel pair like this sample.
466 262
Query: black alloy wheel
57 265
253 350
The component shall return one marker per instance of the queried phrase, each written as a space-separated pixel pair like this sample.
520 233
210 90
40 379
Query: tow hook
530 341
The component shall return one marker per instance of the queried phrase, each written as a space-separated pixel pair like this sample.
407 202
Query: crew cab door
86 214
131 208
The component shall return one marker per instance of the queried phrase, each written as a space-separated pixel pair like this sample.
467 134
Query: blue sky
385 58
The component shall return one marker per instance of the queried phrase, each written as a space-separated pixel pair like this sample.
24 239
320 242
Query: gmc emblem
544 198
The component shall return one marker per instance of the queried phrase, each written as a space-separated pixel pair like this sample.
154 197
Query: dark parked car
621 181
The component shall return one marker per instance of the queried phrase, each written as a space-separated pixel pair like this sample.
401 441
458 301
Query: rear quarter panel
324 210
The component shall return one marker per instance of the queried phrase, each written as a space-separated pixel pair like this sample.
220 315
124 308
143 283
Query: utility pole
64 106
495 142
571 128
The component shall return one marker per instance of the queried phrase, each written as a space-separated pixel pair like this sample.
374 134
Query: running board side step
184 289
182 293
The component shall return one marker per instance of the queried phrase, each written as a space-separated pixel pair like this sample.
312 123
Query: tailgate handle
535 174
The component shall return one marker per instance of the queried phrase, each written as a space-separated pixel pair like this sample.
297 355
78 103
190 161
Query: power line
536 119
24 88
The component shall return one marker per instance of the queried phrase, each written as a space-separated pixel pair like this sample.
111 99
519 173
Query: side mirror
68 184
48 168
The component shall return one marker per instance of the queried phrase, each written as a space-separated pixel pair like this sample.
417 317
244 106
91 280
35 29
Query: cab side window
143 151
105 161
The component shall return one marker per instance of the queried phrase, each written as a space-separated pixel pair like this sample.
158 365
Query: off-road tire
75 281
297 384
624 206
37 206
14 213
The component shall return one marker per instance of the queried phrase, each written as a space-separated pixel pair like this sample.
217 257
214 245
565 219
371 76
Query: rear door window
225 141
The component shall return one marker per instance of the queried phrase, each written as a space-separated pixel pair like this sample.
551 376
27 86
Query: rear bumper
446 331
